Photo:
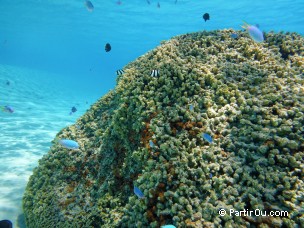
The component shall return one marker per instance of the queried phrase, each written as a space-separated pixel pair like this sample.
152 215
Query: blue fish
207 137
89 5
168 226
69 144
210 175
151 143
138 192
7 108
73 110
234 35
191 108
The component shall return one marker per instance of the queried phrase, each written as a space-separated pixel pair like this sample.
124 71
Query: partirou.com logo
256 212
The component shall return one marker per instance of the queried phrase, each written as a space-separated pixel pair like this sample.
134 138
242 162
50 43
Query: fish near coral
139 193
191 108
69 144
73 110
234 35
168 226
207 137
254 32
154 73
151 143
120 72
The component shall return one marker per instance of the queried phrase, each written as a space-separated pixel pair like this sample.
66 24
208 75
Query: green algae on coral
248 95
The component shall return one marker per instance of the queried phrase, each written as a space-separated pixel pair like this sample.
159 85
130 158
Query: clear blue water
52 53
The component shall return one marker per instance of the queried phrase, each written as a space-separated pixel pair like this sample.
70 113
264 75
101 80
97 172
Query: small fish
155 73
234 35
7 108
6 224
207 137
108 47
8 82
89 6
138 193
118 2
168 226
210 176
191 108
255 33
158 5
148 2
69 144
151 143
73 109
119 72
206 16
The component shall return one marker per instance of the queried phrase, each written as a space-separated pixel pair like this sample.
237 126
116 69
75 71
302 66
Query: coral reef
248 96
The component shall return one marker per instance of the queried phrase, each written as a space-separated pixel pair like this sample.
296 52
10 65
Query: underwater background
52 57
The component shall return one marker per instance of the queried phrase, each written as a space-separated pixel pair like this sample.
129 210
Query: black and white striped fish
120 72
155 73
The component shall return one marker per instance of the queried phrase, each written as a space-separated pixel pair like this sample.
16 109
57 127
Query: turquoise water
52 53
42 102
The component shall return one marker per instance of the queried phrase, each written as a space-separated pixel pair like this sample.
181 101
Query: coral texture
248 96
